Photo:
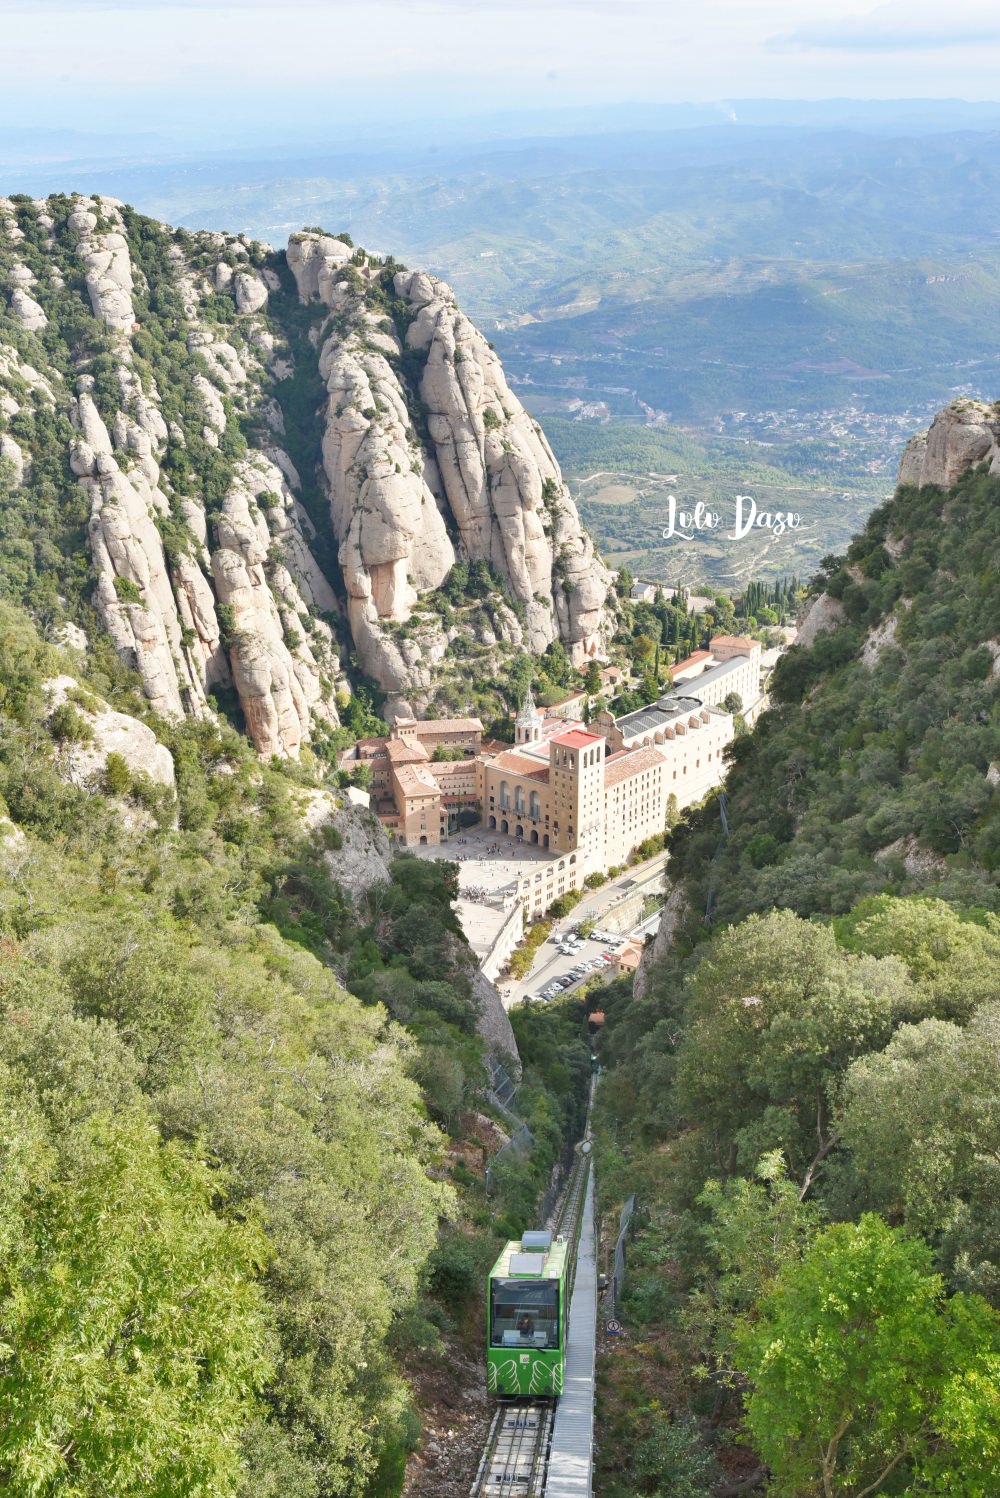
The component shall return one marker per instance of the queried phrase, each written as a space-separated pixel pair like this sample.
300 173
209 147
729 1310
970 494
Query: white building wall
693 761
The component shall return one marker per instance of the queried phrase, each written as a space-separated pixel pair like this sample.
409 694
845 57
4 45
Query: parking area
565 961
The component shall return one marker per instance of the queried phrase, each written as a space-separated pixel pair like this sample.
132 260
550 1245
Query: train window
524 1313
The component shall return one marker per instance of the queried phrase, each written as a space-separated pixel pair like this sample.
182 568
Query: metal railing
617 1283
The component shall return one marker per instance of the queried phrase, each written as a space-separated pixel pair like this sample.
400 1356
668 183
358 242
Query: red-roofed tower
576 760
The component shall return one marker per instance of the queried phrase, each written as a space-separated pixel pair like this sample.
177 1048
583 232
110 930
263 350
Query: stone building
730 664
586 795
413 793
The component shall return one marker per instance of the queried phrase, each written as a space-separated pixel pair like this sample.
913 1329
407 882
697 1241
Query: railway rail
540 1448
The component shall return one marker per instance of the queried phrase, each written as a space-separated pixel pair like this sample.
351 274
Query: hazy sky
110 63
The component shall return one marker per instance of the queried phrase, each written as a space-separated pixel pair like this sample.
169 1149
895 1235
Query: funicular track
523 1435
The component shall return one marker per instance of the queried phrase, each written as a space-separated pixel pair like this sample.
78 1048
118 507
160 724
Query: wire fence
617 1284
723 840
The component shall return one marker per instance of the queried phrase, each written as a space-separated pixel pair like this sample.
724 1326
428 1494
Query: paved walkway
571 1456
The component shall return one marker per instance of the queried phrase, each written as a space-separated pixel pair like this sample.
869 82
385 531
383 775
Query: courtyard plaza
487 880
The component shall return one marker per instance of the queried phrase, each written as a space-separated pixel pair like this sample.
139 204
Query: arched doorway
492 824
423 837
545 841
504 827
534 834
520 834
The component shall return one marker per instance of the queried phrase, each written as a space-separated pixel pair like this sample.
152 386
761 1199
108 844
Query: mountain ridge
276 459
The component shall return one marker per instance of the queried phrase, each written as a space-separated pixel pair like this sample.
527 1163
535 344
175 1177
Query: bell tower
528 723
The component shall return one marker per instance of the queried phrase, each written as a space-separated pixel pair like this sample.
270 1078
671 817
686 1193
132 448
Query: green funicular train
528 1317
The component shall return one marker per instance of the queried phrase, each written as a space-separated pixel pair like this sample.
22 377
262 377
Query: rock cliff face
283 457
479 481
963 434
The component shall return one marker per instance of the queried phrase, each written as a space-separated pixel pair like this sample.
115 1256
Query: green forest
803 1091
235 1213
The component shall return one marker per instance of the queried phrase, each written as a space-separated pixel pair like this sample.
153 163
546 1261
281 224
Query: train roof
517 1261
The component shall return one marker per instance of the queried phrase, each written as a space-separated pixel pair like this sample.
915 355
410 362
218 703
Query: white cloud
899 26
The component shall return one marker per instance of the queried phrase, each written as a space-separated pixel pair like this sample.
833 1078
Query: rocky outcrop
494 1023
480 483
962 435
918 862
674 911
104 252
207 569
27 311
277 667
877 639
819 615
110 732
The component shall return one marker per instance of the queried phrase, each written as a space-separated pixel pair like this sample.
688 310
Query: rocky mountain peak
283 457
963 434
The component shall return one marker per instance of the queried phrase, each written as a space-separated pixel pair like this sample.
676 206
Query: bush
453 1271
117 775
127 590
67 727
226 615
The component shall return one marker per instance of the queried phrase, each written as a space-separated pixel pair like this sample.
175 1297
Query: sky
242 67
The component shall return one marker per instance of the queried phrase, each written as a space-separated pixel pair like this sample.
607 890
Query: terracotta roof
732 642
577 738
449 767
404 754
694 659
415 780
520 764
624 765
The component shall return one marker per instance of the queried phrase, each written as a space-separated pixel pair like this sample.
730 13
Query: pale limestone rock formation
9 225
393 540
876 640
493 1022
487 470
315 260
128 555
962 435
500 478
215 411
364 856
41 387
27 311
10 453
277 672
673 913
107 265
403 504
918 861
819 615
993 646
251 293
113 733
70 636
